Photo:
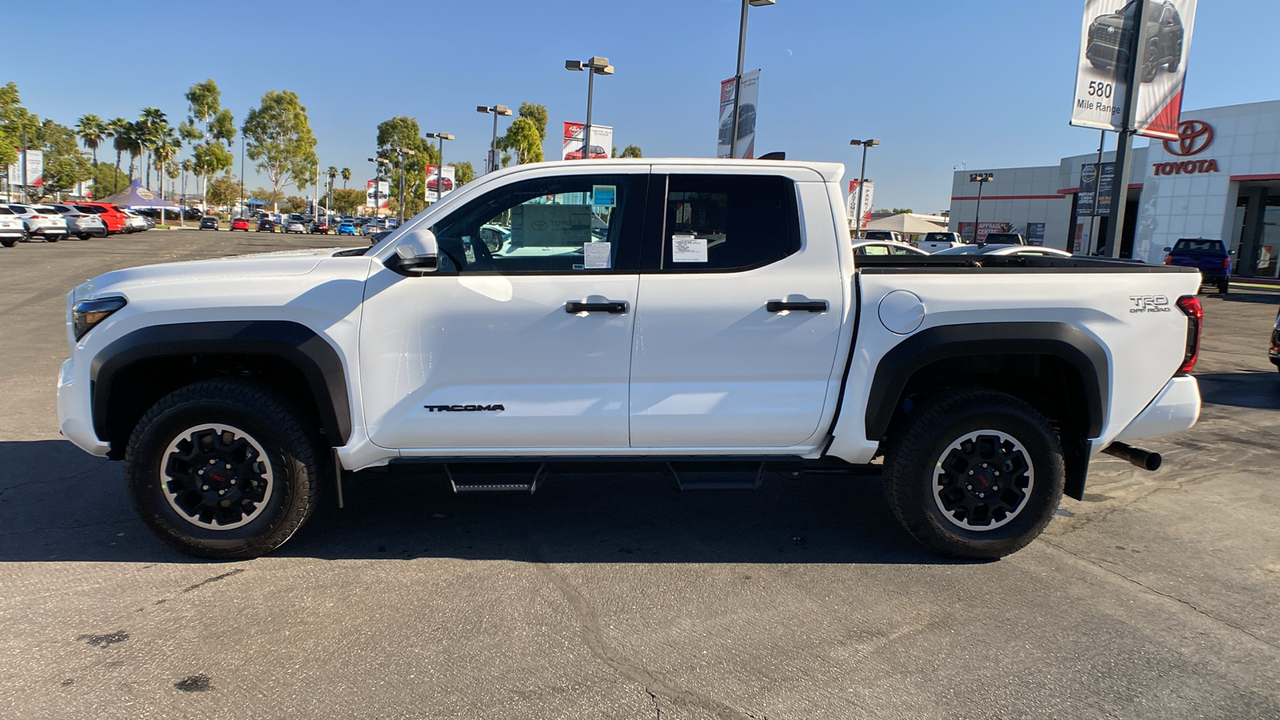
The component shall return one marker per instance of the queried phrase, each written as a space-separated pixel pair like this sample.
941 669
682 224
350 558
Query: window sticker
688 248
604 195
596 255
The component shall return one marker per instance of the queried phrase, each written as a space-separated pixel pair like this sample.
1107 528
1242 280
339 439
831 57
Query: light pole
981 179
497 110
595 66
332 177
440 166
862 181
243 142
402 151
378 162
737 78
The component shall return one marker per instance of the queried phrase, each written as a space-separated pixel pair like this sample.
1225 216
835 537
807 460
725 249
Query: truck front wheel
223 469
975 474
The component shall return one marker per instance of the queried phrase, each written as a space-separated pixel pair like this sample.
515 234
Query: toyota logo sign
1194 137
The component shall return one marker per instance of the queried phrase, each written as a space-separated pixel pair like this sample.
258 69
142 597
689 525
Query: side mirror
416 252
1168 249
1231 252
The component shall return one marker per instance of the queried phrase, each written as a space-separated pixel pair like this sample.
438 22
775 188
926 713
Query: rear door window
728 223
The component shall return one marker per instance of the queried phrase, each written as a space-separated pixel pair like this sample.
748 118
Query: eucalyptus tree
278 138
211 128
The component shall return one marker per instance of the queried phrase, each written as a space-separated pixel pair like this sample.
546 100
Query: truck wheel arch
900 366
180 347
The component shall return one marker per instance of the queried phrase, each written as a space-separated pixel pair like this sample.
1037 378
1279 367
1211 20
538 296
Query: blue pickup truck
1211 257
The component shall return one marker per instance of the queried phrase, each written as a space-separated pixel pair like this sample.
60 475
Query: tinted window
718 223
1200 246
5 210
557 225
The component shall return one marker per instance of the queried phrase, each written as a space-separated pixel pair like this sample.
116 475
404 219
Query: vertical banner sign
601 141
1164 42
382 187
448 178
746 116
868 192
34 161
1094 196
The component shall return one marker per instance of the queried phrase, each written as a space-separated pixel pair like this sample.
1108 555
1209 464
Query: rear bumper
1176 408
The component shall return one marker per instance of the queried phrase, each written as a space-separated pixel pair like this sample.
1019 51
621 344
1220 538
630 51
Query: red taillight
1190 306
1226 263
1168 258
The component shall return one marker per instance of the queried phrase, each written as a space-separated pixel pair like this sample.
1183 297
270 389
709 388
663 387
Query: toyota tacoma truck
702 316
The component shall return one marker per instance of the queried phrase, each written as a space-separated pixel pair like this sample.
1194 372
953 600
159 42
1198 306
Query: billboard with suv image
1163 43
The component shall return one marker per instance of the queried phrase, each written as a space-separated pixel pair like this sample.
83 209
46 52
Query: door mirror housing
416 253
1168 249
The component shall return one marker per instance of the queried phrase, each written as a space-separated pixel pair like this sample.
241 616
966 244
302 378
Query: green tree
463 173
632 151
523 140
403 132
105 177
10 104
348 201
152 125
899 211
64 165
538 114
278 138
223 190
92 131
118 131
211 127
346 177
294 204
267 196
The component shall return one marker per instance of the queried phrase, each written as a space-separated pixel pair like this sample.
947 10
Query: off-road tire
914 467
1150 64
270 421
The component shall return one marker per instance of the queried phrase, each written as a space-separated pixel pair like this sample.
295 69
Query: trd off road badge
1150 304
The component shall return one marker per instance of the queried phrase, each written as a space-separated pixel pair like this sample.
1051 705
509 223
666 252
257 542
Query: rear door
738 318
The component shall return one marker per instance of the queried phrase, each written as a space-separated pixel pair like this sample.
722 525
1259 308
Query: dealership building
1220 180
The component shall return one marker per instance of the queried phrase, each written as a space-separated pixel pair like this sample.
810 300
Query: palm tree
346 175
118 129
166 150
132 140
186 166
151 124
92 132
332 173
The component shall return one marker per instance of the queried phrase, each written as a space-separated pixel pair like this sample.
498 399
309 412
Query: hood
263 265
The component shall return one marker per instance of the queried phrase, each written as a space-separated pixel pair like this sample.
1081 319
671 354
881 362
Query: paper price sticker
688 248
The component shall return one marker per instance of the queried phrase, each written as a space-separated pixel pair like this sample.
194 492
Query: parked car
111 214
209 222
1109 41
887 235
1003 238
1211 257
40 221
80 223
1004 250
371 228
884 248
295 226
319 227
767 349
240 224
596 152
346 228
1274 352
11 229
266 224
135 222
935 241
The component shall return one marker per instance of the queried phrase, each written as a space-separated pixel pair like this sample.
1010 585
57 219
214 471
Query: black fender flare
1053 339
296 344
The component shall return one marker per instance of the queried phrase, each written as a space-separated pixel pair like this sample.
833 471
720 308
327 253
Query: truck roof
830 171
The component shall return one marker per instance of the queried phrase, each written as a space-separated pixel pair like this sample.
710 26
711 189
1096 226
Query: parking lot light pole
440 165
981 179
737 78
401 152
497 110
595 66
862 180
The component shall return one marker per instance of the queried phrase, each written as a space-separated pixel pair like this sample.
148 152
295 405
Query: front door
520 342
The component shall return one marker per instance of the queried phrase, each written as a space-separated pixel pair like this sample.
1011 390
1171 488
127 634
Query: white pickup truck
700 315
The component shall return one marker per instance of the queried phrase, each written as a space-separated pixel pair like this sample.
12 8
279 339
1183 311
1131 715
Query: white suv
11 229
41 220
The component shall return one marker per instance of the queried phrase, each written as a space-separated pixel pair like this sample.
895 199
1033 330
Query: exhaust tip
1144 459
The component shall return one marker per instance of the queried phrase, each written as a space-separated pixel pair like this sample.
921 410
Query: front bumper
75 410
1176 408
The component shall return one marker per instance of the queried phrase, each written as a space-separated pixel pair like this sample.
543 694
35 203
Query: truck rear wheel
223 469
975 474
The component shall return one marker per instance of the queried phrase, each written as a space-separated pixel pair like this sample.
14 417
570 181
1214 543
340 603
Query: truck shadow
59 504
1260 390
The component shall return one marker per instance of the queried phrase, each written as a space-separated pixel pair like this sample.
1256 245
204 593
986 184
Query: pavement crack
1161 593
213 579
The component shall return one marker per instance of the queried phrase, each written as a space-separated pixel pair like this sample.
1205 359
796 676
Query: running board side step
726 476
503 478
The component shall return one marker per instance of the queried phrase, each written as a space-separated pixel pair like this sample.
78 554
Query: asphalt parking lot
616 596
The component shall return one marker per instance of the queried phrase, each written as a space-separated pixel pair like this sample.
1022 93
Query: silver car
11 230
135 223
42 221
81 224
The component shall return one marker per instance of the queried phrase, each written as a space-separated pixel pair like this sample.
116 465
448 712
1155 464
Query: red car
431 183
597 152
240 224
115 220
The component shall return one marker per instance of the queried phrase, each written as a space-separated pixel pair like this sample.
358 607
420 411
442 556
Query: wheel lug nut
970 472
228 466
222 492
212 461
204 487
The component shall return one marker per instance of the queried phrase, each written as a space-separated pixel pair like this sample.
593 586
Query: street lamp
378 162
401 152
497 110
440 167
595 66
737 79
981 179
862 180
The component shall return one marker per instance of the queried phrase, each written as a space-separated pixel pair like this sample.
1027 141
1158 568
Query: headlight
88 313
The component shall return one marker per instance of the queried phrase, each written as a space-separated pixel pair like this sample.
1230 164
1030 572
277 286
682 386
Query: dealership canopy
139 197
906 223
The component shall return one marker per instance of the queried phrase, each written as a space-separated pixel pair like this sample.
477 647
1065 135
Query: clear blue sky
938 82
